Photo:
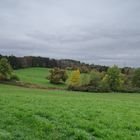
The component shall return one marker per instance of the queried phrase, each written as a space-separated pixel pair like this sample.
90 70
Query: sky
102 32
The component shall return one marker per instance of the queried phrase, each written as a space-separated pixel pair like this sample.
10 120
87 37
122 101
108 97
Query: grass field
31 114
37 76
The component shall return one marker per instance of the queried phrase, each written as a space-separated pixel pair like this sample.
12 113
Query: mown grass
31 114
37 76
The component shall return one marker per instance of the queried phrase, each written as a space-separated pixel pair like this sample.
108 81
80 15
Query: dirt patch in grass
28 85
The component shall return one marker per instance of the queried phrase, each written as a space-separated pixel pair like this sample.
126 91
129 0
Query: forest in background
46 62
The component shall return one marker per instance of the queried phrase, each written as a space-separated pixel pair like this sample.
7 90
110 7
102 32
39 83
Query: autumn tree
75 78
57 76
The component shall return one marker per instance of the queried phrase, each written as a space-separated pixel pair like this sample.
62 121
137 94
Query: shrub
2 77
104 85
95 78
78 88
14 77
5 69
84 79
57 76
93 81
114 78
129 89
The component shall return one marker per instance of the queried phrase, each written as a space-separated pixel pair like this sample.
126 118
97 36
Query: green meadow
32 114
37 76
37 114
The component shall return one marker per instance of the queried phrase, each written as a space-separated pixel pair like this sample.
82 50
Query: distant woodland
34 61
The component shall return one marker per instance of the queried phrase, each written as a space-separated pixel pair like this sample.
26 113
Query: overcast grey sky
94 31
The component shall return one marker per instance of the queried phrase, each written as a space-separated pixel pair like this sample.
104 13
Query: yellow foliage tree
75 78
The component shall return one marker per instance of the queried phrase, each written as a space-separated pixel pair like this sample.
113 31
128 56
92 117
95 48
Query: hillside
60 115
37 76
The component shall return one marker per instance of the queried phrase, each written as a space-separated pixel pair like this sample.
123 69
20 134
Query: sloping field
31 114
37 76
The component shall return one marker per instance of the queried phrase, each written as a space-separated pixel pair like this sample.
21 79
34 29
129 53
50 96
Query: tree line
34 61
114 80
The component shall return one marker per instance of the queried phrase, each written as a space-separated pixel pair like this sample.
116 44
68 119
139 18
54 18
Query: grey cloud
93 31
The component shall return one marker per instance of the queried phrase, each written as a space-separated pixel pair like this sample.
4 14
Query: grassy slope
29 114
36 76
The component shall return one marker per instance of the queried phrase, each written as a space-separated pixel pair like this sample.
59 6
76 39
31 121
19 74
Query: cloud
94 31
